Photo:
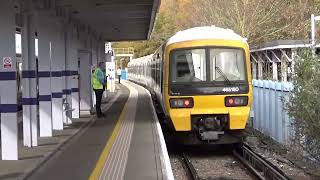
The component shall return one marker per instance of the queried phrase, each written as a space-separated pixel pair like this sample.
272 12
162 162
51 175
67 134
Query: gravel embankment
178 169
219 167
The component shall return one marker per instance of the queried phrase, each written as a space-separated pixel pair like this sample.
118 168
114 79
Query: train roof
205 32
138 60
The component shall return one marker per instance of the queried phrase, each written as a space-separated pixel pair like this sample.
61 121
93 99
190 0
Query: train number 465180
231 89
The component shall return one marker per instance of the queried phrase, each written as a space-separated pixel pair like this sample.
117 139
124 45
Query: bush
304 103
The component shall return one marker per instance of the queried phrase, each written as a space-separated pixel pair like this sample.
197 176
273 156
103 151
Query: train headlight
233 101
181 103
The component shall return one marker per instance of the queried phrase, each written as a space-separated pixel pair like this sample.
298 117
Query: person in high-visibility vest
98 85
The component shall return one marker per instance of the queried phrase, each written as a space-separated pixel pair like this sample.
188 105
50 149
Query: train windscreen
207 65
189 66
227 65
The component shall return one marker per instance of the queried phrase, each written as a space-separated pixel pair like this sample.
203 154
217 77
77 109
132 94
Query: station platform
127 144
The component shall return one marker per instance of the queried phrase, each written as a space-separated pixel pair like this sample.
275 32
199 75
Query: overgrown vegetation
304 104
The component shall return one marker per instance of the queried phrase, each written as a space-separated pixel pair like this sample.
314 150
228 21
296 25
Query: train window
227 65
188 65
153 70
158 73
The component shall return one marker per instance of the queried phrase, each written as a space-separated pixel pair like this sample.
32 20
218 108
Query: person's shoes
101 115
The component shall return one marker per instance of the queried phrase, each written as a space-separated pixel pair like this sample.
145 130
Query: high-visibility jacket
98 79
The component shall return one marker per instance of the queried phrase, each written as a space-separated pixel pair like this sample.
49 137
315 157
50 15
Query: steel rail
190 167
260 167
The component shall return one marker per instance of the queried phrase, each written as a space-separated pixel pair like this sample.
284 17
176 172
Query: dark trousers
98 93
119 76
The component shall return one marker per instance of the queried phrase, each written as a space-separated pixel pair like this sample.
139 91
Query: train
201 80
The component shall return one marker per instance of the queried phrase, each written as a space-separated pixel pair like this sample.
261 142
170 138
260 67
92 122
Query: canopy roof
116 20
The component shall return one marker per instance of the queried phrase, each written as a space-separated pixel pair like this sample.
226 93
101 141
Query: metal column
8 83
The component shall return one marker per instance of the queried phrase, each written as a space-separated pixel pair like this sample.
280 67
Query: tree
257 20
163 29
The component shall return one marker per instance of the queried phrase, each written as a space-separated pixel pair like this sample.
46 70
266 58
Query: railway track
258 166
191 170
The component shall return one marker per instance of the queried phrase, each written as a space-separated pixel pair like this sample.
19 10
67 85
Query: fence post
255 104
273 109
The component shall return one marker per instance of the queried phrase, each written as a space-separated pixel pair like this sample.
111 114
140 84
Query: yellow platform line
105 153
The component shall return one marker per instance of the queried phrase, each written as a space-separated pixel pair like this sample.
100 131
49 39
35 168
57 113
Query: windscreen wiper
223 75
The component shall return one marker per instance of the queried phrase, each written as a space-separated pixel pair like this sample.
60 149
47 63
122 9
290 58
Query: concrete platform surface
32 158
126 144
136 149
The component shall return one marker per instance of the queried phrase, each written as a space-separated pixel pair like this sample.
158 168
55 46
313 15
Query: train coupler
210 135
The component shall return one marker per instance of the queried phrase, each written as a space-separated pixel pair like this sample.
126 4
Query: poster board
110 72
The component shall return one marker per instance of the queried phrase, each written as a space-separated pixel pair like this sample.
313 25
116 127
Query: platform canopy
116 20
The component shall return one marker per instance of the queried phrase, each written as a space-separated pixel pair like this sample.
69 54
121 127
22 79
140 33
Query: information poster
110 72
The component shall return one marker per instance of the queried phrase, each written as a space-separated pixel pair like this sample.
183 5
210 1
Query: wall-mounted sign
7 62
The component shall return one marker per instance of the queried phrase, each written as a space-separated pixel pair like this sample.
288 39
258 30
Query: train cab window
227 65
188 65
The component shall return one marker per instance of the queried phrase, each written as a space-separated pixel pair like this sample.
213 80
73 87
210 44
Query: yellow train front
206 91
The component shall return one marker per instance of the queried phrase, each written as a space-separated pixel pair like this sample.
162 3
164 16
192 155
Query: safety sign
7 62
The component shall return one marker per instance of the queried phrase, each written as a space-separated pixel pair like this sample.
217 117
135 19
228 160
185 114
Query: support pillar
57 59
75 79
8 83
29 81
293 57
254 70
275 71
101 51
95 54
44 75
65 100
260 69
72 75
75 94
284 70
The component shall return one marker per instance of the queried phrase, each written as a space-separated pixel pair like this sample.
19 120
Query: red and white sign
7 62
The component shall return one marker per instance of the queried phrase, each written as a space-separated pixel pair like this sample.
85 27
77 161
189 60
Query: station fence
269 110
